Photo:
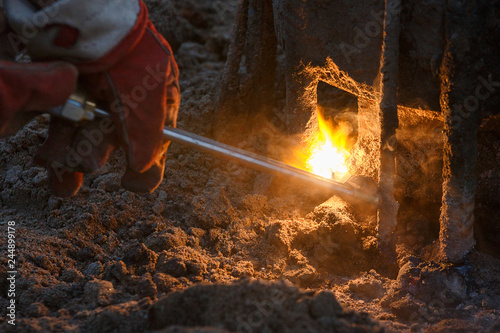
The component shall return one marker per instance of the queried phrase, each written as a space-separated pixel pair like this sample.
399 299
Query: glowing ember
326 155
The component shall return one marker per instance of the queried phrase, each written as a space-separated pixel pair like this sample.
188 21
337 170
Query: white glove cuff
101 25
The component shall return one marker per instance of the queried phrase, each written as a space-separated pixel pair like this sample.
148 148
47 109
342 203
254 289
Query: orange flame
326 154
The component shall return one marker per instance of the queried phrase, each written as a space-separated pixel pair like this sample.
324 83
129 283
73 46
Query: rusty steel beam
389 122
463 26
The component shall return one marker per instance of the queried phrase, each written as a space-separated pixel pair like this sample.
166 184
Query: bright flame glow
326 155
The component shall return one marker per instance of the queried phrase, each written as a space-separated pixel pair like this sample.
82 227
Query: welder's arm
126 66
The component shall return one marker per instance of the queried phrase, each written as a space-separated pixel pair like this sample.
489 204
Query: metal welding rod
78 110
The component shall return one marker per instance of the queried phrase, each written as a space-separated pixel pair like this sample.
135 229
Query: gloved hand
28 88
127 67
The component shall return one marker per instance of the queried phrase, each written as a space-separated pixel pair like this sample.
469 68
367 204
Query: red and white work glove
26 89
125 65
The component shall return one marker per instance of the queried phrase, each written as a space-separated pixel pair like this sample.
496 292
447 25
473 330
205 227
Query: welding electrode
77 108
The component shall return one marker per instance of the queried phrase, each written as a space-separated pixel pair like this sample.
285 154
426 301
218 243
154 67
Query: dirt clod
254 306
98 292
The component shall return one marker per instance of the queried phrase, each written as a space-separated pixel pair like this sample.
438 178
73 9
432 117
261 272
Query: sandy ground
220 248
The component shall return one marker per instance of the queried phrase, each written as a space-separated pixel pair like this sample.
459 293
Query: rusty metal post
230 76
231 92
461 110
388 210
